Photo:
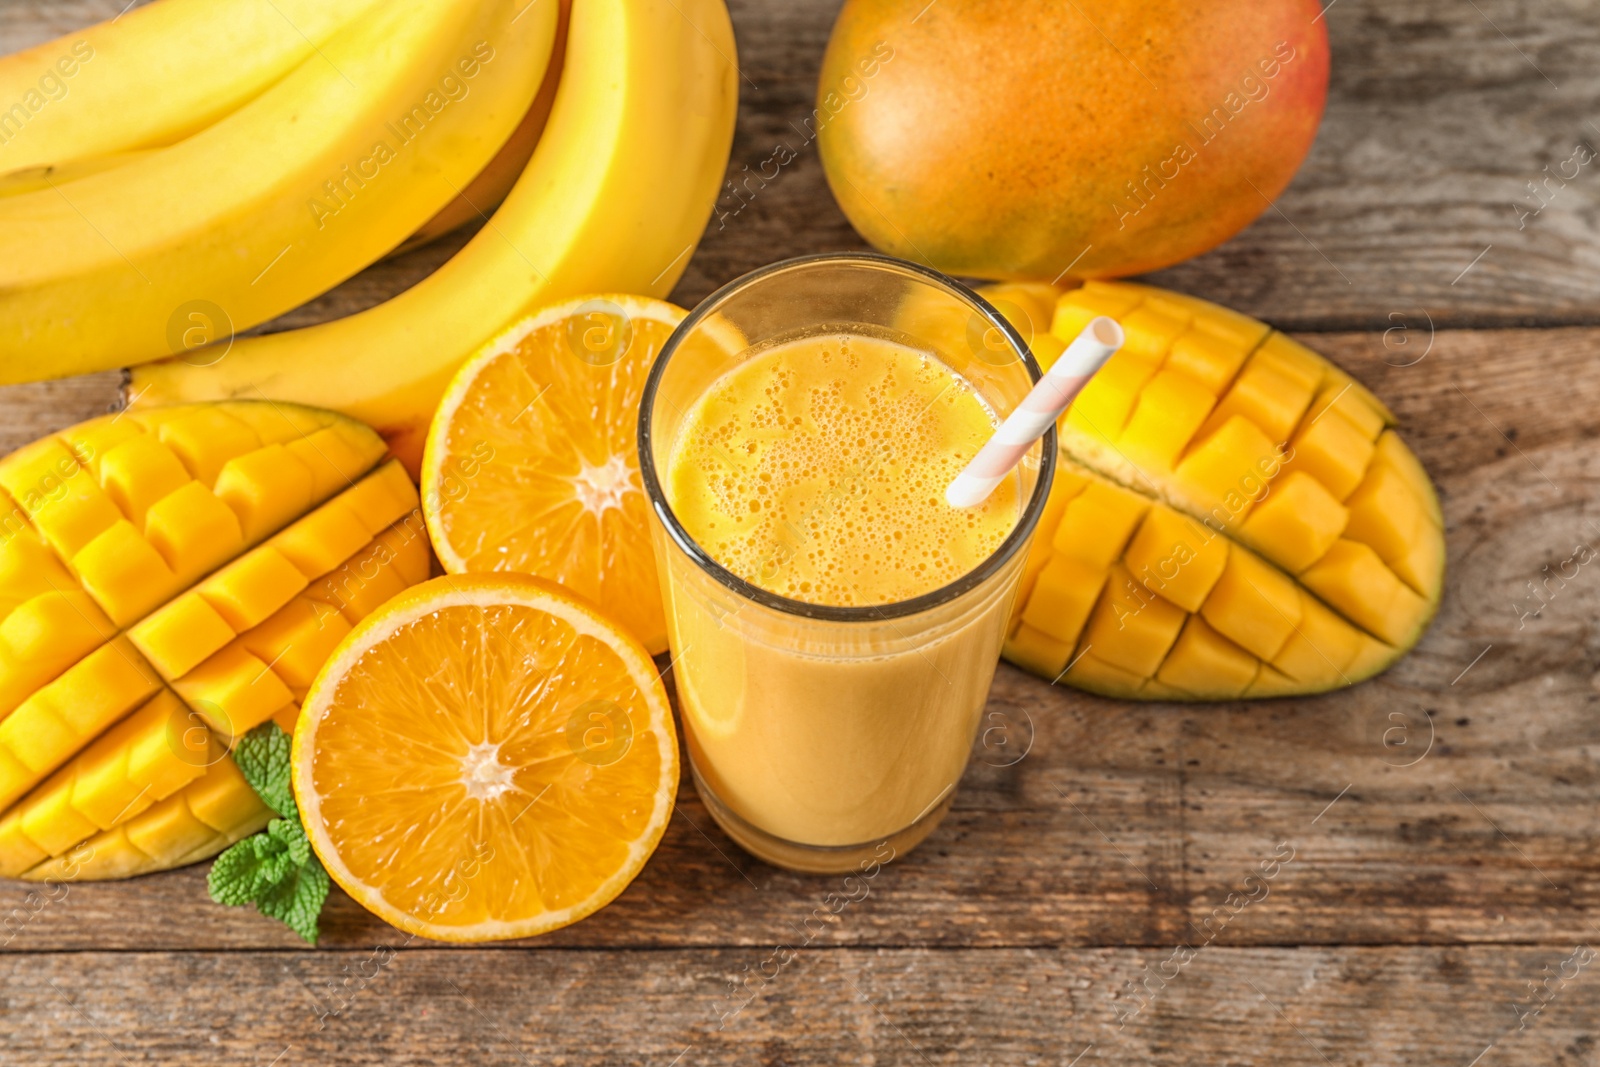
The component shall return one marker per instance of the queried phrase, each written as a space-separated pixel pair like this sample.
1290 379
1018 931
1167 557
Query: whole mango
169 579
1232 516
1035 139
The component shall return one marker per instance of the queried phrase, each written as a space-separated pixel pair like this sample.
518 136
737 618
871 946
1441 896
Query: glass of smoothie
834 623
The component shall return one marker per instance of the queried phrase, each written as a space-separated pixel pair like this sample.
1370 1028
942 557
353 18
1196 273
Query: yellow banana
278 202
475 202
493 183
153 76
33 179
615 198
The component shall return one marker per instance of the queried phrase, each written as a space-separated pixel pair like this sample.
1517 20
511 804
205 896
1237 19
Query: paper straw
1037 413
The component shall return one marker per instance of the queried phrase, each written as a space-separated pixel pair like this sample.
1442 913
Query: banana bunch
614 199
188 63
264 170
344 149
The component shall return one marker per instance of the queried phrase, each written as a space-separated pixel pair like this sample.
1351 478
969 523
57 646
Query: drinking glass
824 738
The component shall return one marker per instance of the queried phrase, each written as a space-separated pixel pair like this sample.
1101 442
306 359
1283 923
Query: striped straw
1038 411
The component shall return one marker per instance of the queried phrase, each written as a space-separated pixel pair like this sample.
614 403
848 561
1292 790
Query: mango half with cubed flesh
1233 515
170 579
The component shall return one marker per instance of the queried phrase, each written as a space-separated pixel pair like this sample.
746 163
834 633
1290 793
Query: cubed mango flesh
1345 398
1177 557
265 489
1169 411
1422 568
1204 663
28 567
1150 333
1267 395
1270 682
1090 672
1103 407
1206 358
1353 580
1035 651
205 437
297 641
1385 514
1226 473
1294 359
193 530
252 587
139 472
1098 522
1079 307
63 716
1333 450
1065 486
1322 646
179 637
1297 522
1132 627
1063 597
1392 452
42 637
1253 604
124 573
1289 544
151 567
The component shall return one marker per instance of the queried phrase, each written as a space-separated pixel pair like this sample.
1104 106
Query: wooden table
1442 819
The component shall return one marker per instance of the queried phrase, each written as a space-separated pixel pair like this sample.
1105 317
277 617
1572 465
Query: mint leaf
275 870
297 901
232 880
247 869
263 757
289 833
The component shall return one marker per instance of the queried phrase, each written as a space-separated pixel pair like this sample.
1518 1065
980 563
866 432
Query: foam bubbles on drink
817 470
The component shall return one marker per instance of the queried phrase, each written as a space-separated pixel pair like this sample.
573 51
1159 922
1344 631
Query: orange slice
532 461
485 757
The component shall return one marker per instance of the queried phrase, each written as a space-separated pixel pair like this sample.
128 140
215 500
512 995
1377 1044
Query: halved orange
485 757
532 462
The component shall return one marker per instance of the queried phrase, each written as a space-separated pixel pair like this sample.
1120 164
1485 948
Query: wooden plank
1126 823
1439 115
737 1006
1097 838
1443 815
23 25
28 412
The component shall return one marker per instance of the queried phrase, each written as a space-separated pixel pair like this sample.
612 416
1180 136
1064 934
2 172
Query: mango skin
1011 139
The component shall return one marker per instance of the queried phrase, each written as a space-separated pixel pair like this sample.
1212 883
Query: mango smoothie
815 470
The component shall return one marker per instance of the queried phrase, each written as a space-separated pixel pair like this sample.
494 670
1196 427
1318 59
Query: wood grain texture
1442 818
1465 785
900 1007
